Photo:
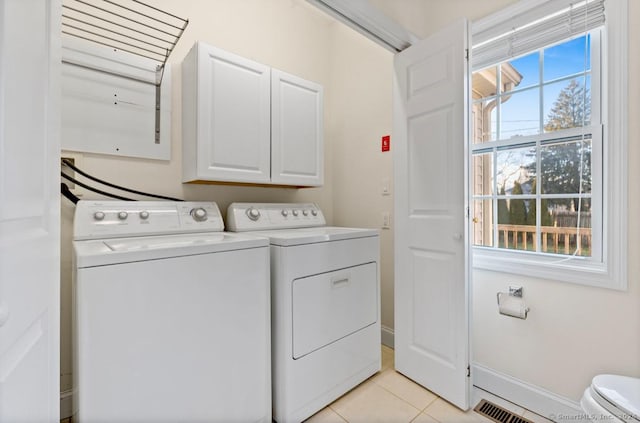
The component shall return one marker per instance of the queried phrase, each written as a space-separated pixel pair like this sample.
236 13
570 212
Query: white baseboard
531 397
66 404
387 337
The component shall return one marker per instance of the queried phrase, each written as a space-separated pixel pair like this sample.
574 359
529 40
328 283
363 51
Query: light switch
385 187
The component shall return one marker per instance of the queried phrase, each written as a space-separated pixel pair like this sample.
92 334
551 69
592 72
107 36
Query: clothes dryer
325 304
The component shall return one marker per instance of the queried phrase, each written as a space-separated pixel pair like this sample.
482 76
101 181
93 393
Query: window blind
527 29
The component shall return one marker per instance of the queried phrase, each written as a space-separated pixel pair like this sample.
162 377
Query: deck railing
554 239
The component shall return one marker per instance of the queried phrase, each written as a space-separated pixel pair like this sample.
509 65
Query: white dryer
171 315
325 304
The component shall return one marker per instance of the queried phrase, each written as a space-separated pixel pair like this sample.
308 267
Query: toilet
612 398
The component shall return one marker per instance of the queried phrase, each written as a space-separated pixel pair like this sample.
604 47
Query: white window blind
522 31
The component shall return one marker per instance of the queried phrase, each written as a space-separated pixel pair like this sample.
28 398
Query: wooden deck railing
525 235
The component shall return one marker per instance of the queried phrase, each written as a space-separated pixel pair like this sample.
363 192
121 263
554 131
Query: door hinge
466 53
467 212
468 371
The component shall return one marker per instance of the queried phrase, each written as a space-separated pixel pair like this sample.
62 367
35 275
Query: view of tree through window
533 137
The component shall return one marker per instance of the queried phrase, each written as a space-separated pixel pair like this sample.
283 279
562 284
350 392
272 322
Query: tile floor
389 397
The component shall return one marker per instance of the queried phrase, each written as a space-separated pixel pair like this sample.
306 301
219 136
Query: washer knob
144 215
98 215
199 214
253 213
284 213
122 215
314 212
305 212
294 212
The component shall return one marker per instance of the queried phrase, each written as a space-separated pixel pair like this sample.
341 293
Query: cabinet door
296 131
232 118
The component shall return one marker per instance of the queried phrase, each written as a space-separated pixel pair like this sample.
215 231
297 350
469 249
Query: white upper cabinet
225 117
296 130
245 122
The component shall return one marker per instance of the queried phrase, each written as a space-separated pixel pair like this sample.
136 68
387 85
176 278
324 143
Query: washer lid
622 391
91 253
291 237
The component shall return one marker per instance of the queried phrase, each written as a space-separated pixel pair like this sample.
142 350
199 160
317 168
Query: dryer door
333 305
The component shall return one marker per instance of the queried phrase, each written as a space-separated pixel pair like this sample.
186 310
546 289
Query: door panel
29 210
431 255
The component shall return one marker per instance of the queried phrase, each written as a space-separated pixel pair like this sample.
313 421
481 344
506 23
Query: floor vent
498 414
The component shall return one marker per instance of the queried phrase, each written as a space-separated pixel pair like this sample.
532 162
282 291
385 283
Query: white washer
171 315
325 296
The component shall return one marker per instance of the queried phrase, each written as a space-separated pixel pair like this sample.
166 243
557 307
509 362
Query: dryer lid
622 391
302 236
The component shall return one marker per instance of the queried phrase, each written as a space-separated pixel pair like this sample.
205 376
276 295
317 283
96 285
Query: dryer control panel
115 219
265 216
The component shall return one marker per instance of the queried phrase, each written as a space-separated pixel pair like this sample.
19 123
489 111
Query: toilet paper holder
514 292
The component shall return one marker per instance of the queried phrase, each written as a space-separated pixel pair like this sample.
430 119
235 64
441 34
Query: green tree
531 212
564 165
503 210
545 217
571 109
517 209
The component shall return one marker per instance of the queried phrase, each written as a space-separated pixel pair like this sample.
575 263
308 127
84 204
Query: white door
296 130
431 252
233 117
29 211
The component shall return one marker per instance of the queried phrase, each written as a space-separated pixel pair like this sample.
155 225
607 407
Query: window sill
577 270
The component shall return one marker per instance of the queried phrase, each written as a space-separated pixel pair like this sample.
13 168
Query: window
543 156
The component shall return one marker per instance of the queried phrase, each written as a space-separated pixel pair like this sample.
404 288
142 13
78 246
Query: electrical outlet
386 220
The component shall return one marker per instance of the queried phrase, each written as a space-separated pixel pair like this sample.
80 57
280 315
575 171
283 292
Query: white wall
573 332
290 35
361 110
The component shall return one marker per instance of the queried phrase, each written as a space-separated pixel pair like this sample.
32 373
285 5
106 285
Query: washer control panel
264 216
113 219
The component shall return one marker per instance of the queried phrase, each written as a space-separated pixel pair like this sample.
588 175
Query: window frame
609 270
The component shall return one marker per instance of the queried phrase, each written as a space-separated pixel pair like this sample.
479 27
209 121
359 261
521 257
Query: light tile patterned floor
389 397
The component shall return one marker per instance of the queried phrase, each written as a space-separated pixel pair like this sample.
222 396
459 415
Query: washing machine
171 315
325 304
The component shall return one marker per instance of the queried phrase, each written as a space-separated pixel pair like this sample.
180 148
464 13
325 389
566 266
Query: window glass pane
568 58
521 73
564 165
484 115
483 174
520 114
483 223
517 224
567 104
515 173
560 221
